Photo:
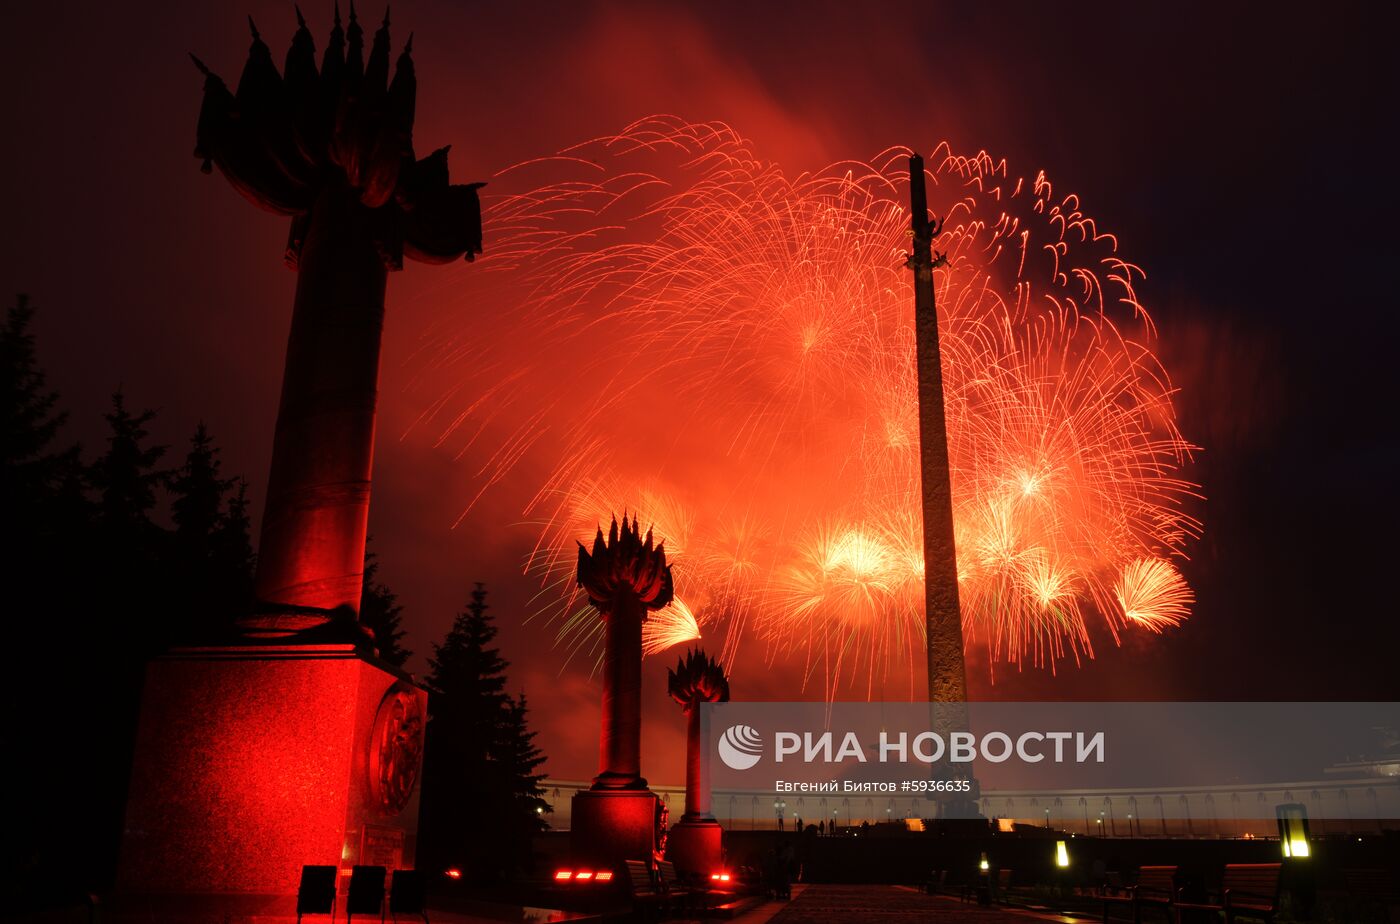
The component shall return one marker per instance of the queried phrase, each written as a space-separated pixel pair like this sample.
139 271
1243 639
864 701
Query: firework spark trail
668 627
1153 594
737 355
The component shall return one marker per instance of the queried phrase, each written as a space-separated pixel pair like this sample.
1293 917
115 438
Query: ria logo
740 747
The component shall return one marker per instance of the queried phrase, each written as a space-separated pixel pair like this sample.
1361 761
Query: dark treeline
113 554
117 552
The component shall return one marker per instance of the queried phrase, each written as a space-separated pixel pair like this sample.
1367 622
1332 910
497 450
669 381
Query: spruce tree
28 421
126 476
94 577
198 495
51 599
522 759
470 675
481 759
232 559
43 505
134 565
209 555
40 486
381 612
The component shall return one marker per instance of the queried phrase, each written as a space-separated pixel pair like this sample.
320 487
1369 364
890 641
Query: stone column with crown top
625 577
294 744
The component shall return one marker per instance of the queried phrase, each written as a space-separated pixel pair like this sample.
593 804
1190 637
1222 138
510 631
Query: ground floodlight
366 891
316 892
408 893
1293 830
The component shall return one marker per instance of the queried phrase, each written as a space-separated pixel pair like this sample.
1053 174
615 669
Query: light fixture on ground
1293 830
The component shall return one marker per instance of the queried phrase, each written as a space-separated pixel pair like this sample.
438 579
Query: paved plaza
818 904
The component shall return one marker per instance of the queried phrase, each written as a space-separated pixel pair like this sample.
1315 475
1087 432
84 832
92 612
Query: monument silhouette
625 577
292 743
947 669
695 842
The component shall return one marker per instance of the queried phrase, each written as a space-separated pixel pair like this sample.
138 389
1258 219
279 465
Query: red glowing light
720 877
453 873
583 875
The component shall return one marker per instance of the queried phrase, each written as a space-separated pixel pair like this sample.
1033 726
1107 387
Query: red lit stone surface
695 846
251 762
612 825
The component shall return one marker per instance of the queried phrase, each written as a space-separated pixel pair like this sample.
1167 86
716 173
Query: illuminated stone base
253 761
610 826
694 846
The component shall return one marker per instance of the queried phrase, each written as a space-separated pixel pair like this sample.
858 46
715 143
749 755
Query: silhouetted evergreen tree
94 582
198 495
126 476
42 493
29 420
381 612
470 675
522 759
45 567
136 610
479 774
42 488
231 553
132 550
210 550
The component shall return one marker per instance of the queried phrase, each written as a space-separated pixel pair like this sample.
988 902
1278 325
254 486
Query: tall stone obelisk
947 673
947 670
294 744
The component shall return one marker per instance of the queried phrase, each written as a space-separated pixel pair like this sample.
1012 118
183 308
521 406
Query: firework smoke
729 355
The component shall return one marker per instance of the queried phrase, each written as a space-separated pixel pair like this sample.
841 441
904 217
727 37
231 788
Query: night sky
1244 160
